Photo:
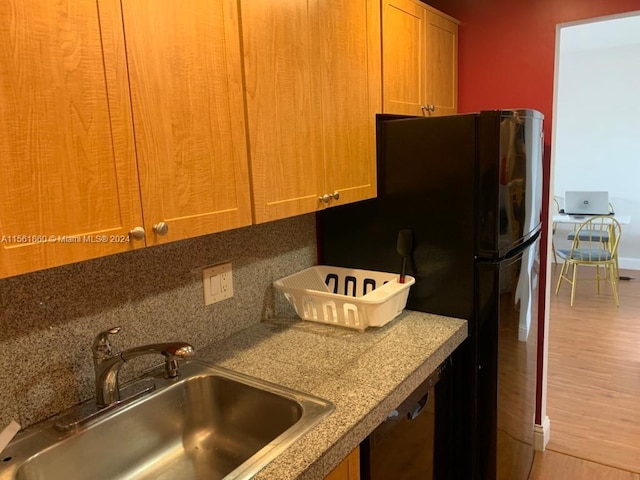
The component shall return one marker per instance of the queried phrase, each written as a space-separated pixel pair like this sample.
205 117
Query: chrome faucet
107 364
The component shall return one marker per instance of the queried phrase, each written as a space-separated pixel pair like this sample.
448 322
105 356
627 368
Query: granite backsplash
49 318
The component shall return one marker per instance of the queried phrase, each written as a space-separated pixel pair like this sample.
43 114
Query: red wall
507 59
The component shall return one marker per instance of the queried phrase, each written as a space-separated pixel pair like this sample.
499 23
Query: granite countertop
365 375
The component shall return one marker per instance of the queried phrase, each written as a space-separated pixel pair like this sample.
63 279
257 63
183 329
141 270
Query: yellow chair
602 237
589 248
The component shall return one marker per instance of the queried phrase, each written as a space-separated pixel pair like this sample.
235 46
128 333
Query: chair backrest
588 245
554 225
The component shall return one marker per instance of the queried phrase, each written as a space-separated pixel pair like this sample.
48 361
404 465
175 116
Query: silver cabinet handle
428 108
329 196
161 228
137 233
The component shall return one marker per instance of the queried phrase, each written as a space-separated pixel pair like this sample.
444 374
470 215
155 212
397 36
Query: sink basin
211 423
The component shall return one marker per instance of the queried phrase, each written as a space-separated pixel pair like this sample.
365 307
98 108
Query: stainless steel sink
211 423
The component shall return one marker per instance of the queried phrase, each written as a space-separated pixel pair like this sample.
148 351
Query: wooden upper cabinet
403 56
442 64
73 188
419 59
188 112
283 106
312 91
67 161
349 57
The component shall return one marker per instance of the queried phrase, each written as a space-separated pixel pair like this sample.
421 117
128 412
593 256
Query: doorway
592 347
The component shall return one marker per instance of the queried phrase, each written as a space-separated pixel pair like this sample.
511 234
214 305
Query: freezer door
425 185
509 187
507 338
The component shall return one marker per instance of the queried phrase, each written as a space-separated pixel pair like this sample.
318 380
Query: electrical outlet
217 282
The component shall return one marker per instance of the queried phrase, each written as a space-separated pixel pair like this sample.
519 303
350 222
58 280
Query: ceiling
608 33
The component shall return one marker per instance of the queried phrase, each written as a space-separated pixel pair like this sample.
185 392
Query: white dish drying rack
347 297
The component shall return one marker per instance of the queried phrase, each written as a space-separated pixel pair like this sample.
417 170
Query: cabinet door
349 62
442 64
67 162
188 112
283 106
403 57
349 469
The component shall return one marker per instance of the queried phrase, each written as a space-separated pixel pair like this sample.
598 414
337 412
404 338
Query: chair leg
573 285
553 249
614 284
564 266
598 279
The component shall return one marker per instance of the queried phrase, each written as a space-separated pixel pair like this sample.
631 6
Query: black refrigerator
469 189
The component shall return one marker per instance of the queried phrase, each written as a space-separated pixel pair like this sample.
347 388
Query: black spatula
404 247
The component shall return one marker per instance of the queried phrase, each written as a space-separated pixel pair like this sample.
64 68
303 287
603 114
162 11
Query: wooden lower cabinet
349 469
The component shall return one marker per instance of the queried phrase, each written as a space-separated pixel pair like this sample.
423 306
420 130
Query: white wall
597 139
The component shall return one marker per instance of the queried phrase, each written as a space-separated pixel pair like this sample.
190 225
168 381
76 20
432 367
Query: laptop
586 203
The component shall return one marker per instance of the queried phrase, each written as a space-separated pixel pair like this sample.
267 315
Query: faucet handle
101 347
172 354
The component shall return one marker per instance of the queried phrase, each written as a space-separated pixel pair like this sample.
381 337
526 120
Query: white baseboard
541 435
629 263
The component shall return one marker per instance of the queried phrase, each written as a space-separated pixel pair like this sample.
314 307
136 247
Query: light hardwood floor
550 465
593 384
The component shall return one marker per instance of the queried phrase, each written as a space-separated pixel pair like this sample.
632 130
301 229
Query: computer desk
579 219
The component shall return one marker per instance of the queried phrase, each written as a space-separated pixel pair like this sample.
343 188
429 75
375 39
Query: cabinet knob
137 233
161 228
325 198
335 195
